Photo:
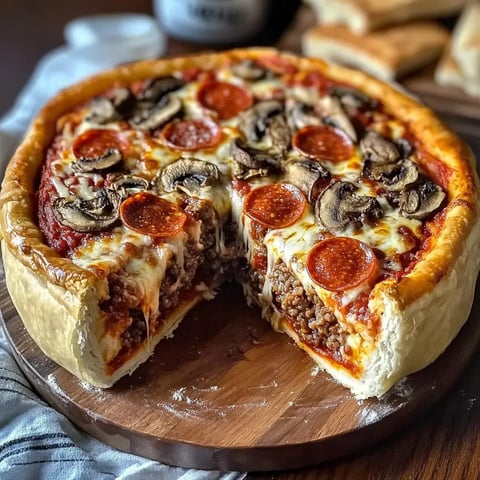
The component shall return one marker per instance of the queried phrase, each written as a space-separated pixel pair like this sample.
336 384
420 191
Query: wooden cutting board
228 393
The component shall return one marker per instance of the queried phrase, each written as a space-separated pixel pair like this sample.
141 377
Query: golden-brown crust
462 188
24 242
17 224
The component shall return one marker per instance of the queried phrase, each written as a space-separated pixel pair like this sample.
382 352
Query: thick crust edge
73 293
64 324
410 338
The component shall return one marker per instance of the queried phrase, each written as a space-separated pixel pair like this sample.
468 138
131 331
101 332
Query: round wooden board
228 393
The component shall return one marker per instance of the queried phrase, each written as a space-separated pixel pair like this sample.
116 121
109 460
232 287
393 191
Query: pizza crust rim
29 261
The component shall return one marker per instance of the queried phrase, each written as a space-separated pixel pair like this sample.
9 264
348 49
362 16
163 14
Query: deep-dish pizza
348 212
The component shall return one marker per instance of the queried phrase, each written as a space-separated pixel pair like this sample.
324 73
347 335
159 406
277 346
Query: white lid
128 37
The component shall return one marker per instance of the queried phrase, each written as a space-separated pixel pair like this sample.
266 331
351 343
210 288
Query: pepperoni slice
315 79
227 99
323 142
191 74
275 206
277 64
96 143
341 263
241 186
192 134
152 215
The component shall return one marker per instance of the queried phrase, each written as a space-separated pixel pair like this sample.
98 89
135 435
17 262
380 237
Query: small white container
128 36
212 21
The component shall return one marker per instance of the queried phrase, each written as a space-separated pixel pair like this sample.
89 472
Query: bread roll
387 54
449 74
366 15
466 42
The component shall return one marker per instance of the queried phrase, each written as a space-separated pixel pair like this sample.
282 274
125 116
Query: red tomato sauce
59 237
334 355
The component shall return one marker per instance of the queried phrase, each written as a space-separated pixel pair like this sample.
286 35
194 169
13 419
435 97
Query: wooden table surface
445 442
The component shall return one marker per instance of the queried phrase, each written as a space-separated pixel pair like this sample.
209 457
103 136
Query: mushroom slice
92 215
300 115
165 110
377 149
156 88
421 200
338 206
249 70
353 99
395 176
243 173
254 122
279 134
118 103
188 175
308 175
104 201
331 111
110 158
101 111
404 147
128 184
252 157
123 100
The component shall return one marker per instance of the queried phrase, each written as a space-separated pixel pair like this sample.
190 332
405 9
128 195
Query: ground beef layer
314 323
122 313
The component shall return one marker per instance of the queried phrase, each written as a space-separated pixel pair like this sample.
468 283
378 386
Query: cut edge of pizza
408 323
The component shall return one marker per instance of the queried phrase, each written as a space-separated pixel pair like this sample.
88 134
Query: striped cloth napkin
36 442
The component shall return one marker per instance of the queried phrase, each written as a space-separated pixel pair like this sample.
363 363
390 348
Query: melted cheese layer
143 262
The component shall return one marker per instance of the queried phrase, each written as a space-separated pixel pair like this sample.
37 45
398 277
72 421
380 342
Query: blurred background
390 41
31 28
